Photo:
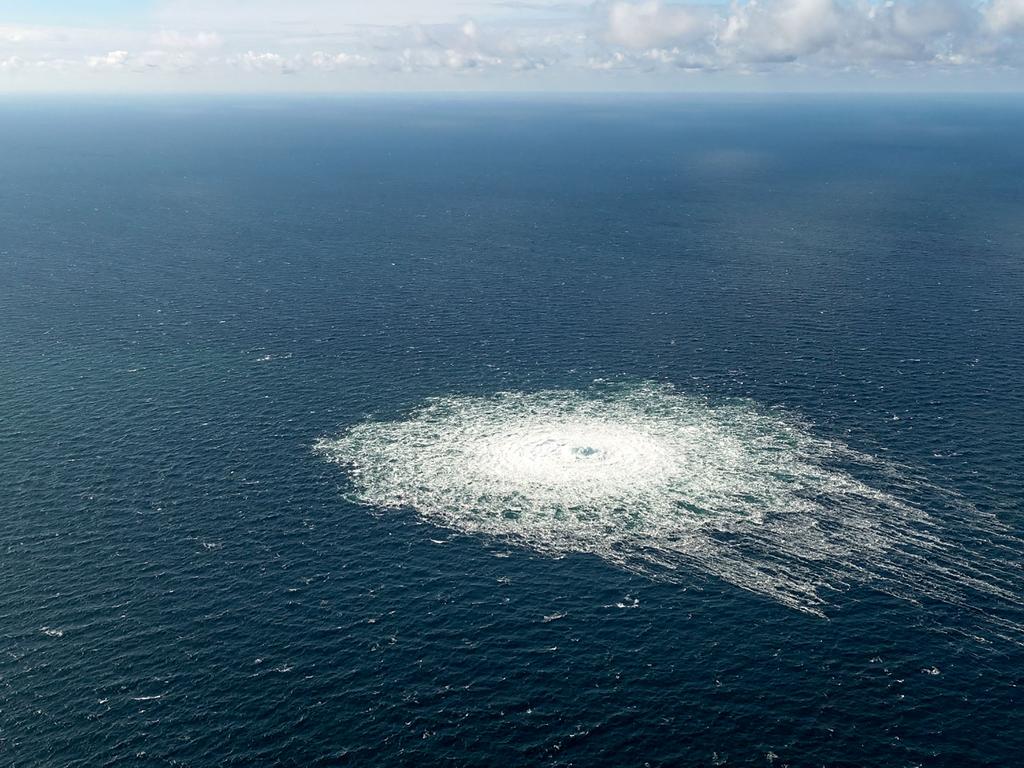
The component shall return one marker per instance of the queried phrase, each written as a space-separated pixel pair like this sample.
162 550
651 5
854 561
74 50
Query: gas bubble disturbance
663 483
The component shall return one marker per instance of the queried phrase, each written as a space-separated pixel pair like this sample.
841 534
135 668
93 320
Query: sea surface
198 295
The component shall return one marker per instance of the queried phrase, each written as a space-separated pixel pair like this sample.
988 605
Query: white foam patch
660 482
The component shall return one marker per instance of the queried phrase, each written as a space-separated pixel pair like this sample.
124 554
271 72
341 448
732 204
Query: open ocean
616 431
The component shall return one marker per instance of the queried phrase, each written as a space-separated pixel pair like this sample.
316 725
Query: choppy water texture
597 431
656 481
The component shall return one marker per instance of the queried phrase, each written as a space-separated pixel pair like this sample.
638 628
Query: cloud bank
396 44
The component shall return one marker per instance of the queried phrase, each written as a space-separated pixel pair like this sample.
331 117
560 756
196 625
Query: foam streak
660 482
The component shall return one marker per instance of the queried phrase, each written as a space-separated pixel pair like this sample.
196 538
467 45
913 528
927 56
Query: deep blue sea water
193 291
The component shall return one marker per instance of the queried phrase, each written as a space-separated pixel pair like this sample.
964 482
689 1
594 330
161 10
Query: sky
252 46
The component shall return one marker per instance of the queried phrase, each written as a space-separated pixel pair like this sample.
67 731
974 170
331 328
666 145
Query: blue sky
494 45
74 11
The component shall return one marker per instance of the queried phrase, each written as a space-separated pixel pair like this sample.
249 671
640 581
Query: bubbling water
660 482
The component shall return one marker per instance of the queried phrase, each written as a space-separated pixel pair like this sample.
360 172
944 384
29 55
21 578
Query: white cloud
1005 16
653 60
111 60
814 35
12 64
330 62
652 23
782 30
420 59
267 61
499 43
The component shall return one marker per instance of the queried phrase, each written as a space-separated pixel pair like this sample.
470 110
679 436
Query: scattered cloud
331 62
266 62
397 44
111 60
866 36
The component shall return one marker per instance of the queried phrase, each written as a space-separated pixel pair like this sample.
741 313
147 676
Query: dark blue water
192 292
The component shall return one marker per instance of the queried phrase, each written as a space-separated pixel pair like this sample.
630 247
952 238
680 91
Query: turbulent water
656 480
